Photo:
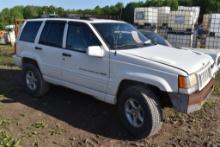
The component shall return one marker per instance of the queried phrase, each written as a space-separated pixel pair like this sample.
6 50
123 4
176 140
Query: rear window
30 30
52 33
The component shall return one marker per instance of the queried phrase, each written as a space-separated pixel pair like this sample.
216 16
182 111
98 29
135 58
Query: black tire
42 87
152 112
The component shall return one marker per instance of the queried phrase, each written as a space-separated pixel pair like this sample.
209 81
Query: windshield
155 38
121 35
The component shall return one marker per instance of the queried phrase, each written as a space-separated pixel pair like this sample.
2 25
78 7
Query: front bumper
191 103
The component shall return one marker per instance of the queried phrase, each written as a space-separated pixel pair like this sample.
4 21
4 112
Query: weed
39 125
35 144
217 85
217 88
6 50
56 131
8 141
209 105
4 123
6 61
6 55
22 115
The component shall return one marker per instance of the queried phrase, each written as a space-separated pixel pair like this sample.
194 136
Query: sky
67 4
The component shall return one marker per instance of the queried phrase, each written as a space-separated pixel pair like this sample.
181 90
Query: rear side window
52 33
30 30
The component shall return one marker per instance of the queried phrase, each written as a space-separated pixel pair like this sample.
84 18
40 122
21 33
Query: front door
79 68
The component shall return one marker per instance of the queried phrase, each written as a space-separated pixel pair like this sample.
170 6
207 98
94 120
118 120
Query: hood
183 59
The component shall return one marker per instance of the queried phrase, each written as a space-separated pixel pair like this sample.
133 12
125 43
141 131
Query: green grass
6 52
39 125
8 141
217 85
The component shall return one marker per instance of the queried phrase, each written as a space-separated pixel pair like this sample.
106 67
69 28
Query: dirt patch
68 118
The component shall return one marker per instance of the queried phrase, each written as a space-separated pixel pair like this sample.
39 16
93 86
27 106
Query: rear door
26 40
50 47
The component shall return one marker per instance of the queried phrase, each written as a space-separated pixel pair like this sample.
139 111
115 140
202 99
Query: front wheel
140 111
33 81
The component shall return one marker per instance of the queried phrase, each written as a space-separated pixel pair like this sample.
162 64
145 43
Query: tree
171 3
98 10
60 11
31 12
155 3
186 2
16 13
4 17
128 11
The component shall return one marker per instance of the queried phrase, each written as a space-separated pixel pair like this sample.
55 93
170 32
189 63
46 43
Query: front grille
204 77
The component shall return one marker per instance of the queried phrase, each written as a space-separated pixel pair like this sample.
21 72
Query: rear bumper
17 60
191 103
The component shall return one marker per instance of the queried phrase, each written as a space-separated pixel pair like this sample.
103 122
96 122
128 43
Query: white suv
115 63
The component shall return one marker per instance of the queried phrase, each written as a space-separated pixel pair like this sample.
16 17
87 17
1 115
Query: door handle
66 55
38 48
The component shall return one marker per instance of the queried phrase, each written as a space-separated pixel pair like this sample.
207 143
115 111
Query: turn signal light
182 82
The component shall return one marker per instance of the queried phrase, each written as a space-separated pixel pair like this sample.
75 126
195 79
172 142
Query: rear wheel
140 111
33 81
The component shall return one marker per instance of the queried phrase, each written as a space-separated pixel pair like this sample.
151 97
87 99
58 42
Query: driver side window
80 37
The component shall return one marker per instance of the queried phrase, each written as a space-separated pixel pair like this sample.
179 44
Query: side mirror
95 51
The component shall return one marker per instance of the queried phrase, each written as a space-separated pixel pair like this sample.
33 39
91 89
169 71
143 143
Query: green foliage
172 3
217 84
5 55
39 125
31 11
128 11
8 141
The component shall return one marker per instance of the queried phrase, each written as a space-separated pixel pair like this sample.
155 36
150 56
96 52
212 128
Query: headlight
188 84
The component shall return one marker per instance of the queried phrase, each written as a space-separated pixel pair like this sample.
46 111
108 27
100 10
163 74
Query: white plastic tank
181 20
213 43
162 32
205 22
163 16
144 16
196 10
180 39
214 24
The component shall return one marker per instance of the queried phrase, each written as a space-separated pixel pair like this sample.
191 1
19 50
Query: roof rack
76 16
70 16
